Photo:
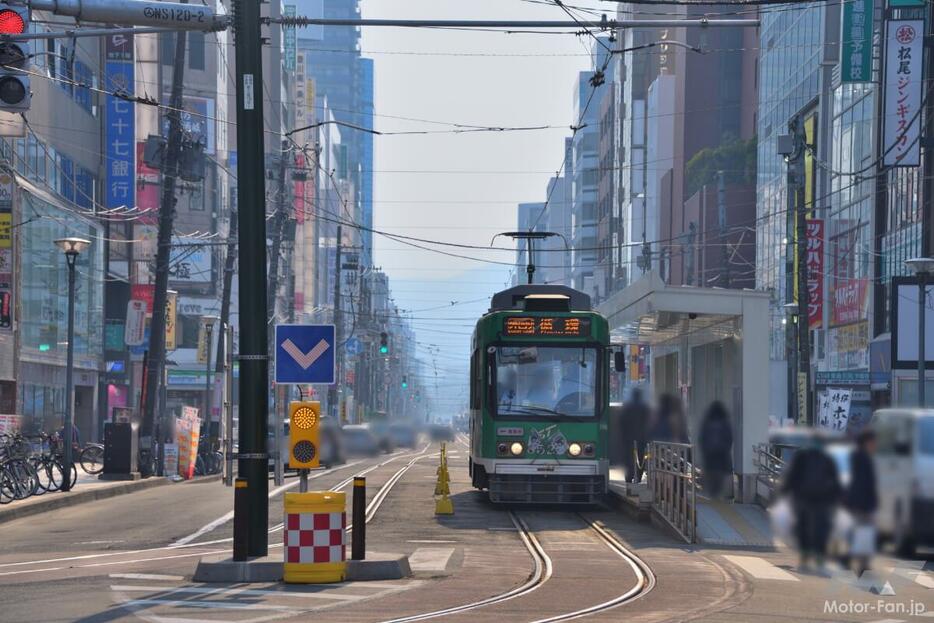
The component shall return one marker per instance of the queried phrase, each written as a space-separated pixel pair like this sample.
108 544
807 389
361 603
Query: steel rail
541 573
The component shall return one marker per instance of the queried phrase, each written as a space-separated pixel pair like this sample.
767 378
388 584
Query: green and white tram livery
539 398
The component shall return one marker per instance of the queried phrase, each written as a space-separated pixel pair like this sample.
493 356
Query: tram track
543 570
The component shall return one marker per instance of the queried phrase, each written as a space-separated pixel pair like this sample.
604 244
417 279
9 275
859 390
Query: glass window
926 436
546 381
196 50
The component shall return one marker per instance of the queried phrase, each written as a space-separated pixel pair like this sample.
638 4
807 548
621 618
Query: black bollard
241 528
358 547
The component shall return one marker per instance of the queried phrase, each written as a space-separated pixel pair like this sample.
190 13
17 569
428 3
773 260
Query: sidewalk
87 489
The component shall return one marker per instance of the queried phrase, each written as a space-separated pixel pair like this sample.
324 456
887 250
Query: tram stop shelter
706 344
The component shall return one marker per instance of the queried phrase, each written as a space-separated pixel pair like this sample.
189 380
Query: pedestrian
669 423
635 420
813 484
716 446
862 500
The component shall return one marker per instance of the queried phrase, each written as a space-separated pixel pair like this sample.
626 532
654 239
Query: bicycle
91 458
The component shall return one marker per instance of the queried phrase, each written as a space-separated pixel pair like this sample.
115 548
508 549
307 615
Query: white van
905 473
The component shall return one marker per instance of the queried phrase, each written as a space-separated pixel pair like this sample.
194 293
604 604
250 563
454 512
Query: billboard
904 71
814 262
904 322
119 123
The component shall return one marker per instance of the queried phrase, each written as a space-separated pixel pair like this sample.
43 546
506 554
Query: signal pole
251 214
333 396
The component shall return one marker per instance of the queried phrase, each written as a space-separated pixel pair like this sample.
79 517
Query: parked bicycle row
34 465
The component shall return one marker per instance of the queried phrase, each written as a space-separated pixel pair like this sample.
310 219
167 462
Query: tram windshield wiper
525 409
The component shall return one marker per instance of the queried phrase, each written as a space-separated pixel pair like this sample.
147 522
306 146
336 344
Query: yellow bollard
443 506
315 537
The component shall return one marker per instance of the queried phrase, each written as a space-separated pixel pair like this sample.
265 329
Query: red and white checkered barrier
315 537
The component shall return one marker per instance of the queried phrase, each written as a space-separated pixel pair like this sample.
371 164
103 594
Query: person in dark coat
716 446
669 424
862 496
635 421
813 484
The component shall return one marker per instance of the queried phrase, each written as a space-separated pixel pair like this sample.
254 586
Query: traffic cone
443 506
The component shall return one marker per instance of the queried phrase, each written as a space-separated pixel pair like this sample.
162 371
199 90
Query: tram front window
546 381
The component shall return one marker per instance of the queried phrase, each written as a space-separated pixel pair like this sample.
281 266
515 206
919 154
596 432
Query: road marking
236 592
430 541
223 605
302 358
213 525
99 542
761 569
147 576
430 558
925 579
31 571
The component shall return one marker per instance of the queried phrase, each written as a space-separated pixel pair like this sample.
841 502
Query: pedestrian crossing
156 601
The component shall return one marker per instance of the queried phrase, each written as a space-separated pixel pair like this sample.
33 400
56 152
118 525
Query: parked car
359 440
905 472
403 434
783 442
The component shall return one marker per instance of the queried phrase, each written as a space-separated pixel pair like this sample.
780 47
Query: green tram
539 401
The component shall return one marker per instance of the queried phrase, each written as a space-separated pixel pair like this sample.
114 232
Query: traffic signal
405 381
383 343
14 84
304 419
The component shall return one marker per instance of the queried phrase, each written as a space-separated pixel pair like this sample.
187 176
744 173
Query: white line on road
31 571
147 576
223 605
430 558
761 569
430 541
213 525
236 592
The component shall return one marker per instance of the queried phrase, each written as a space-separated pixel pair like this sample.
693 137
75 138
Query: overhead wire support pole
174 15
164 242
251 213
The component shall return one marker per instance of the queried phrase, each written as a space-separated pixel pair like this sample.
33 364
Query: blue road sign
305 353
354 346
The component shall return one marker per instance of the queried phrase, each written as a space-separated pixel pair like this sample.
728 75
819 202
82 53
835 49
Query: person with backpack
813 484
716 446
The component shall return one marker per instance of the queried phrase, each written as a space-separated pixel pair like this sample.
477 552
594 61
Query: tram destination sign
539 325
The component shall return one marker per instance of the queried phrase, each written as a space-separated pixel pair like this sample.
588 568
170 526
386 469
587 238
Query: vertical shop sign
904 71
814 262
856 58
120 123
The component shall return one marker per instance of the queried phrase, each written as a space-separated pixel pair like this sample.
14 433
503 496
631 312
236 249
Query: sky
462 188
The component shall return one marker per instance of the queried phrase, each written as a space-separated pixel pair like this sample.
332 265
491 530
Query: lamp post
922 267
791 340
208 331
71 247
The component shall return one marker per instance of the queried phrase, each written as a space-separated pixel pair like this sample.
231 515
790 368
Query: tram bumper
547 482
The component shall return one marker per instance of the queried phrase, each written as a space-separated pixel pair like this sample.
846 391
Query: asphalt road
132 557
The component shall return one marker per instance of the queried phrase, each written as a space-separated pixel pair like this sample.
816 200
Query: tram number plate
536 325
504 431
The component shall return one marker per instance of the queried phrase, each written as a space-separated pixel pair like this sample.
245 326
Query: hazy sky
462 187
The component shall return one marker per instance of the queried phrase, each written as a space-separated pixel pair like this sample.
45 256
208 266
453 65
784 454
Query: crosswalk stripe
430 558
760 568
236 592
220 605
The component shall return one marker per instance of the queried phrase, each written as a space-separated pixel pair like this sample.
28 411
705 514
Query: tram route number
174 15
536 325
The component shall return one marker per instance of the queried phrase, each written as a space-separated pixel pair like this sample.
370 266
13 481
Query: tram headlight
516 448
575 449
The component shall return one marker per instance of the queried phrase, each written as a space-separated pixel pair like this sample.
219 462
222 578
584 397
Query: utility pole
801 274
164 241
271 305
721 223
254 353
229 263
332 390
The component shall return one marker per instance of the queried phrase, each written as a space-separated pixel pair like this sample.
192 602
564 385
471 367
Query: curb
59 500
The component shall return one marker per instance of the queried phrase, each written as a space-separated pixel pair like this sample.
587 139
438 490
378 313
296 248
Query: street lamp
71 247
922 267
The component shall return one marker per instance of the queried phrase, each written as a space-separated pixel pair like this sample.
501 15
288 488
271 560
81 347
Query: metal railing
673 482
769 470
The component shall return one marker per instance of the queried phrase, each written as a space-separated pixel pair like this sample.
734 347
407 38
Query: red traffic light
11 22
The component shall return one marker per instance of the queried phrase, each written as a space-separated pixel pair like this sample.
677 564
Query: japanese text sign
904 71
814 261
